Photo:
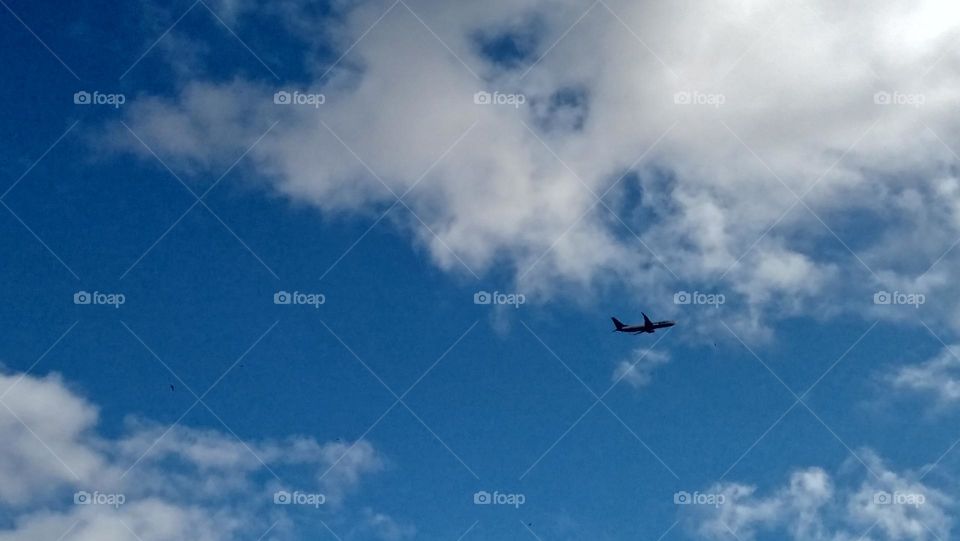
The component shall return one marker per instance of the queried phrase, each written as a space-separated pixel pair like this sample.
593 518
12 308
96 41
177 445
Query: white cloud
937 378
43 415
639 370
815 507
176 482
147 519
380 526
799 83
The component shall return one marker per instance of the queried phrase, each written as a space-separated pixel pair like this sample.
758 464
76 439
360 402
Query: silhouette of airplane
647 327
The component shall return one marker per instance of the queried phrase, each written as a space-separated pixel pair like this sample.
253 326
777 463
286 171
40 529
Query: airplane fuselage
636 329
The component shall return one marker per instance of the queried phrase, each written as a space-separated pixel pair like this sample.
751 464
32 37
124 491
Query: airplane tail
617 323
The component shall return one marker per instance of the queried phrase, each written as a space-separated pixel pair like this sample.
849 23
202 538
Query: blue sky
501 399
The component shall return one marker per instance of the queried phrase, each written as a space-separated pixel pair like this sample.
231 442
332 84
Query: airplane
647 327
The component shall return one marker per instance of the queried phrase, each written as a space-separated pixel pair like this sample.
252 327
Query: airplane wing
646 320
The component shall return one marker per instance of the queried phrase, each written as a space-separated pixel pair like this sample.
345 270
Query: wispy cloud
937 378
762 137
814 505
638 371
184 483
